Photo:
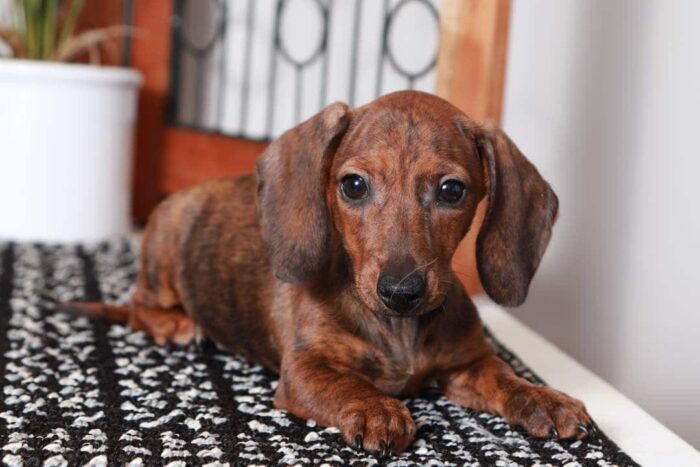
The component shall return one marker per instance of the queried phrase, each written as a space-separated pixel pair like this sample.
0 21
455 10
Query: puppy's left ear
292 174
518 223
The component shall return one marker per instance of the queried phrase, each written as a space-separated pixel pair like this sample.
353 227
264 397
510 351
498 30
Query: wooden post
472 56
471 75
151 55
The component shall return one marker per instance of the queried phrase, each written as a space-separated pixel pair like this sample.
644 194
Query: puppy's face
399 180
403 188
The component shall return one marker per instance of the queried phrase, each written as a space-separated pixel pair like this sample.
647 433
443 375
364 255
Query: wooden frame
151 56
471 75
170 158
472 56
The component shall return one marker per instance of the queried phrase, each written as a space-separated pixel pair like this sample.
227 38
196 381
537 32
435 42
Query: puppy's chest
401 364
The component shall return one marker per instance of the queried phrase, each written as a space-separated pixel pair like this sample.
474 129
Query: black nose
402 294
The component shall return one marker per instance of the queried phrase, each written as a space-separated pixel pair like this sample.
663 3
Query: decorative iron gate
252 68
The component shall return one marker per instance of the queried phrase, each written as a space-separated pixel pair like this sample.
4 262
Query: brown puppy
332 267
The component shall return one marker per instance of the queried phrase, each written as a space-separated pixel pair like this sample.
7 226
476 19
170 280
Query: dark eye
353 187
451 192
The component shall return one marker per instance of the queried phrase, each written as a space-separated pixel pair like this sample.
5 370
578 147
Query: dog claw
582 428
384 450
194 347
358 442
553 433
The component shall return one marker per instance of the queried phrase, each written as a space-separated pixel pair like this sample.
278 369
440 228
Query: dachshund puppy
332 267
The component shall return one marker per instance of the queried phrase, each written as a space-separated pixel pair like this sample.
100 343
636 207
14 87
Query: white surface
603 97
65 151
636 432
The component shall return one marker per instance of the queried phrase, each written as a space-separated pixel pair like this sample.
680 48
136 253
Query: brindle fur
282 270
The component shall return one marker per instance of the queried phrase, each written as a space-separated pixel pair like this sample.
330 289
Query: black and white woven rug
80 392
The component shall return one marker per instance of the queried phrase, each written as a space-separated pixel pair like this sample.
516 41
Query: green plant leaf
45 30
32 34
49 19
68 28
18 16
88 41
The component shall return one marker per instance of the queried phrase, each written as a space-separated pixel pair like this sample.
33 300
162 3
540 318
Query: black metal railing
208 34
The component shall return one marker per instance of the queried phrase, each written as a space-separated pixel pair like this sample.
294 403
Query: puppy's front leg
314 387
490 385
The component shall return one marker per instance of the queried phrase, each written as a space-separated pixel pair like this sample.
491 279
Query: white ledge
636 432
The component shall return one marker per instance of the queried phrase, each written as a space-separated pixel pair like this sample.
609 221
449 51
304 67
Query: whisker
406 276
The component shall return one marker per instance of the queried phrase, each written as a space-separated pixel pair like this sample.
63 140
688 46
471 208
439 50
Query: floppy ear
518 223
292 173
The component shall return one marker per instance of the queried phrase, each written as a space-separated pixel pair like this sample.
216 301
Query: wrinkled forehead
390 139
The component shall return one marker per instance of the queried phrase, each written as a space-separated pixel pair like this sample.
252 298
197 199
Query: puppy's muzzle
401 293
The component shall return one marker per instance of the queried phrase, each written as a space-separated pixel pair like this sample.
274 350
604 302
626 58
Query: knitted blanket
76 391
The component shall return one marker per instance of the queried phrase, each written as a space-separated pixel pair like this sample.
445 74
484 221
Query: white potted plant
66 130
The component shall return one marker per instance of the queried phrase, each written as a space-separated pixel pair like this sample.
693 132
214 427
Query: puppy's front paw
545 412
381 424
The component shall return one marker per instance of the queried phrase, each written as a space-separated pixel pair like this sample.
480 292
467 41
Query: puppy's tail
112 313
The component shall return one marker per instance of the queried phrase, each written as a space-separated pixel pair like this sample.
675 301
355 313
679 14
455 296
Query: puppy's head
398 180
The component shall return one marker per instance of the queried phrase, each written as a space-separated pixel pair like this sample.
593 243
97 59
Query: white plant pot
66 134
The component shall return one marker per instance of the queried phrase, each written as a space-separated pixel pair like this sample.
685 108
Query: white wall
604 97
